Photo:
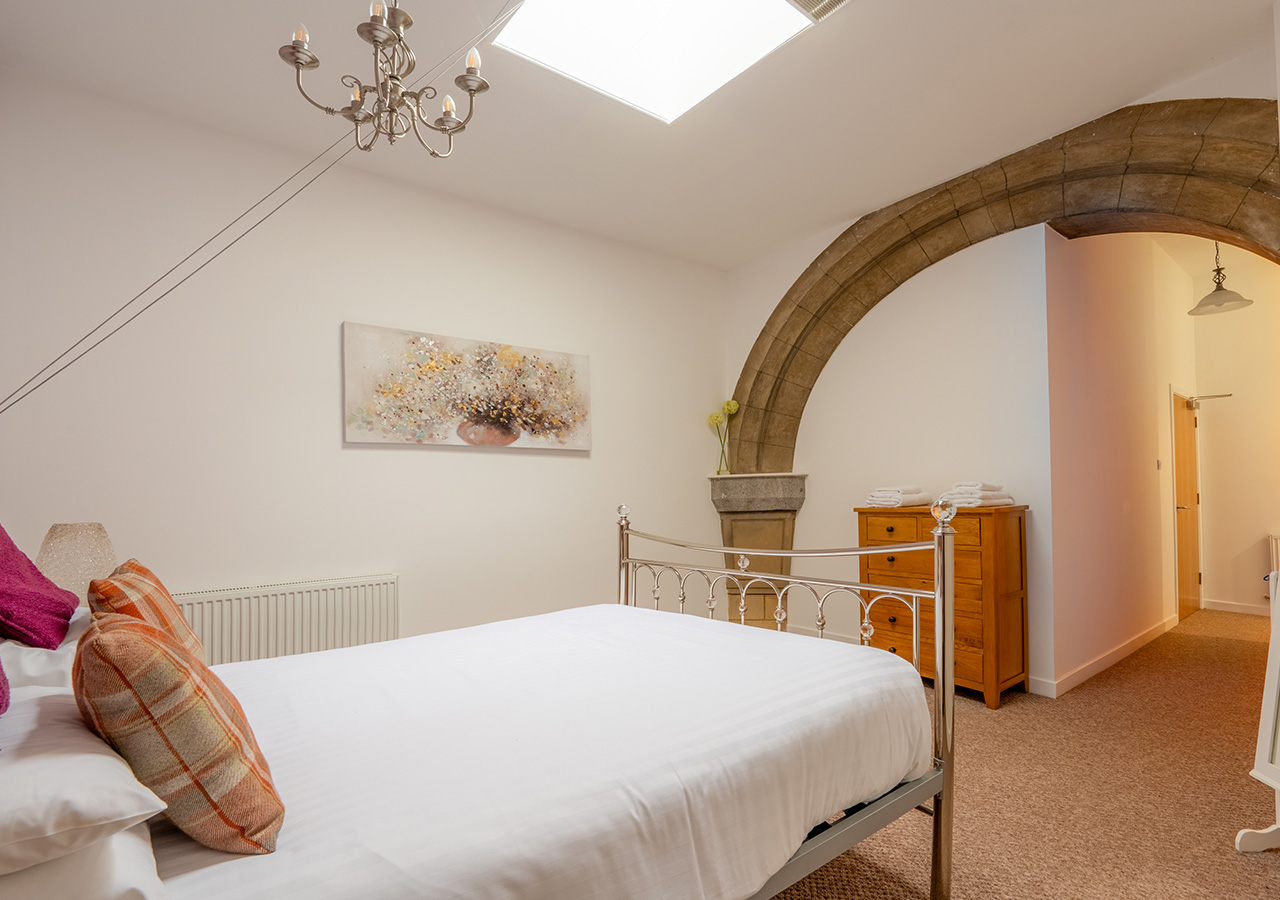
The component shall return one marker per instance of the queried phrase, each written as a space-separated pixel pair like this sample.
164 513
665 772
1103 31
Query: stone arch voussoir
1203 167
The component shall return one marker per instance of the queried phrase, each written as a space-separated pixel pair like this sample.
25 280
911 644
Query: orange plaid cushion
134 590
181 730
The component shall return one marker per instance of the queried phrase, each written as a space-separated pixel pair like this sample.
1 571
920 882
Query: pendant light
1218 300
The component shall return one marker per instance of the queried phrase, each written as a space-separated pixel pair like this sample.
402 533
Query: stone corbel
758 511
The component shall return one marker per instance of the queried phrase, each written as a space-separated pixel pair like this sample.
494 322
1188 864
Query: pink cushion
33 609
4 691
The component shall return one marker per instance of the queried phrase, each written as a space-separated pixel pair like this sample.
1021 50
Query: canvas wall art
406 387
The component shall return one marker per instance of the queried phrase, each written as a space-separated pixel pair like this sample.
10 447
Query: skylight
662 57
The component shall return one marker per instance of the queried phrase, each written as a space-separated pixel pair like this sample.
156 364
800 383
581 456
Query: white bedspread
595 753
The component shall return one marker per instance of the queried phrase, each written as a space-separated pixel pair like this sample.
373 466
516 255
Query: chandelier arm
418 134
378 75
471 108
327 109
372 140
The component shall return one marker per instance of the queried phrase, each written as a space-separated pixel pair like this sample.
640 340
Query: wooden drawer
892 617
968 596
906 529
893 529
895 617
920 564
968 661
968 532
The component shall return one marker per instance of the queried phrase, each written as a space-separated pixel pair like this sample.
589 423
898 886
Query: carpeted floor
1130 787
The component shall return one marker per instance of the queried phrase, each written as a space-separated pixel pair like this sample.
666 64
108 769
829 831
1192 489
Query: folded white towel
967 502
968 497
978 485
971 493
900 489
918 498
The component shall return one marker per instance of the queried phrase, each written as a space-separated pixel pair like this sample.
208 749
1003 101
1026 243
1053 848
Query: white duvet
594 753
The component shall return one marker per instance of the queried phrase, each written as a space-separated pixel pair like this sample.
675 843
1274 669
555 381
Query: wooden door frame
1174 393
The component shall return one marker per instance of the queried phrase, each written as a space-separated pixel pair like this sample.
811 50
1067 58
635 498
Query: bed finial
944 511
624 511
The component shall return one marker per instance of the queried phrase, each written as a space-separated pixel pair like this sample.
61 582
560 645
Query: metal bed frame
827 841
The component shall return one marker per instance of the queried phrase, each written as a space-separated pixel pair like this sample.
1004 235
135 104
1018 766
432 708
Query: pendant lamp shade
1218 300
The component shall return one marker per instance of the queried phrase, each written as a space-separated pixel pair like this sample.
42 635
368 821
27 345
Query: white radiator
296 617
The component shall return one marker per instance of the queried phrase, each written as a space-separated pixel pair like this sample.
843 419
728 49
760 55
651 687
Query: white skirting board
1048 688
1252 609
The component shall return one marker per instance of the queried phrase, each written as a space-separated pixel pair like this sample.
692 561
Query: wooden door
1186 490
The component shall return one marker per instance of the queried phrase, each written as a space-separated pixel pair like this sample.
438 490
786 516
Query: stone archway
1202 167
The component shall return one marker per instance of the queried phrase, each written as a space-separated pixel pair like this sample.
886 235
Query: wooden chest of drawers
991 591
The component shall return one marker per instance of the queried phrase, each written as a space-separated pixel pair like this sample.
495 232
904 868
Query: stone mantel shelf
758 492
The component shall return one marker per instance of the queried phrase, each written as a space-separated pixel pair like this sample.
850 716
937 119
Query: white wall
207 436
1236 353
943 381
1118 337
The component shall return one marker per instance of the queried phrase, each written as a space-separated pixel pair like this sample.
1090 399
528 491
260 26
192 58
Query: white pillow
34 666
120 867
63 788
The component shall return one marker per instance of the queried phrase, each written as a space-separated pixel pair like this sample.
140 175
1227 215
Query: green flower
715 419
730 407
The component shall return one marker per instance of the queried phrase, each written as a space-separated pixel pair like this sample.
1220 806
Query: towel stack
902 495
977 493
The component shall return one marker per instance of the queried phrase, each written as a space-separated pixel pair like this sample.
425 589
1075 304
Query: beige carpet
1131 786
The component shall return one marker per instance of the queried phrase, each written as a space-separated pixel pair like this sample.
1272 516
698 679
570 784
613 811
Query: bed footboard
826 844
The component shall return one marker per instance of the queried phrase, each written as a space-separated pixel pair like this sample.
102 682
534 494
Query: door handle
1182 507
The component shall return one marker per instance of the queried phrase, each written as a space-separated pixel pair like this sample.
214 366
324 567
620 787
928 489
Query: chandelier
386 107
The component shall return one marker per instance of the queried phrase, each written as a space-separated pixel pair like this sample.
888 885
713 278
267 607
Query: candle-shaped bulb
449 107
300 34
473 59
377 10
355 95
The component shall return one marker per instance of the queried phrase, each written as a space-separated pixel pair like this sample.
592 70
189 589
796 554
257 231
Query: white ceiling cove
882 99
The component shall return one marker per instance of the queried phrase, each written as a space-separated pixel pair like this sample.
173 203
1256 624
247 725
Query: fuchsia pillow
4 691
33 609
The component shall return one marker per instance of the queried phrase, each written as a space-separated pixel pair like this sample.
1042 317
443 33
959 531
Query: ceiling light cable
8 403
36 381
171 270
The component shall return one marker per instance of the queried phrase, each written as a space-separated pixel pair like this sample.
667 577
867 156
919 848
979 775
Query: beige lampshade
75 553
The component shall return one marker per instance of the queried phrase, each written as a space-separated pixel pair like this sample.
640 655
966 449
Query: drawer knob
893 649
893 618
889 528
888 559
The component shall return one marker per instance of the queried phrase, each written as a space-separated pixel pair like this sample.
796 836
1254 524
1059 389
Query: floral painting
405 387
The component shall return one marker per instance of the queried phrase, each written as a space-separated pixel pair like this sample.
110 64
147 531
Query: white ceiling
883 99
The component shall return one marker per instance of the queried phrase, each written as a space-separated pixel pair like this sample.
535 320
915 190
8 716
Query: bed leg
940 876
944 697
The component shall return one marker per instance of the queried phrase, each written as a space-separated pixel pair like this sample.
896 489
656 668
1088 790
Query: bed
609 750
